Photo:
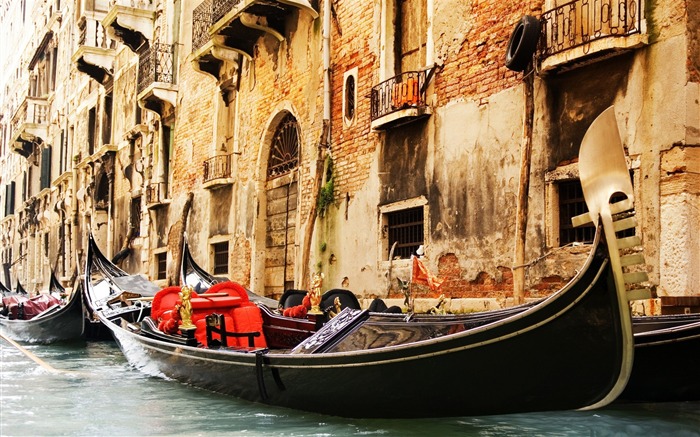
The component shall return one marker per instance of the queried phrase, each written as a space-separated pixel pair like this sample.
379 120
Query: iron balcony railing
581 22
206 15
201 22
403 91
156 65
218 167
156 193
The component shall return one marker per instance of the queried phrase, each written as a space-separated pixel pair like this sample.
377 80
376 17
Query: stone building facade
287 137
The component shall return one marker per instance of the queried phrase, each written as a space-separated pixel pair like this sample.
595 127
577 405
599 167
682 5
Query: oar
33 357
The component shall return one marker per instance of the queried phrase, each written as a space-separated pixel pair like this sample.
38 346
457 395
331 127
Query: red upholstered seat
247 318
201 332
165 300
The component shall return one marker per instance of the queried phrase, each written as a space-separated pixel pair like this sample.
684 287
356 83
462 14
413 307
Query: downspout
324 143
327 68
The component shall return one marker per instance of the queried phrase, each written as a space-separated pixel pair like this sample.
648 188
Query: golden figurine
315 293
186 309
337 307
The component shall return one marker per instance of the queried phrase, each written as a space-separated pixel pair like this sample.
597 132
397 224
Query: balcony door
411 35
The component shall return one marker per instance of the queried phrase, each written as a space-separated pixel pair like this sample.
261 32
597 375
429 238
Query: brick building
289 137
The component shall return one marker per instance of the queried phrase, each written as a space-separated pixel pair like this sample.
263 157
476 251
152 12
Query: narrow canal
96 393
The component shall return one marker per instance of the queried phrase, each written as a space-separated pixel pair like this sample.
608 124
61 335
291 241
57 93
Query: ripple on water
102 394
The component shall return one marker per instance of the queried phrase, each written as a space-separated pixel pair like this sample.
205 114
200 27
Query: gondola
667 359
45 318
577 343
113 293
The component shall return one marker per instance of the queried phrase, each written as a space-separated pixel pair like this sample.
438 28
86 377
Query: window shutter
46 167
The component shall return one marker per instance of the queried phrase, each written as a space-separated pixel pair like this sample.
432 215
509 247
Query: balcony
95 54
224 29
580 32
400 99
156 81
131 23
30 125
157 195
217 171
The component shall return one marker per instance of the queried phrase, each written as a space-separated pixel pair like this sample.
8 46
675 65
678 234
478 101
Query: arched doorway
281 210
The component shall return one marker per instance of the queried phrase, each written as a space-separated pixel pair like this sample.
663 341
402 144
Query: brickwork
478 70
353 45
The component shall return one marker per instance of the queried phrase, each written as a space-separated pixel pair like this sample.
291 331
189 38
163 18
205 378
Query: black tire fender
522 43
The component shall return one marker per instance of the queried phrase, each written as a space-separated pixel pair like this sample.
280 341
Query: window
405 228
571 204
45 167
161 265
135 217
10 198
411 35
220 251
284 152
349 96
92 126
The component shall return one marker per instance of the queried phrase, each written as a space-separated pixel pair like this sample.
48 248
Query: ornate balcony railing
156 193
400 92
156 65
221 8
92 34
218 167
33 110
581 22
201 22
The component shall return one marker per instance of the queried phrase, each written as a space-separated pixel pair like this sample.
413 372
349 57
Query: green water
98 394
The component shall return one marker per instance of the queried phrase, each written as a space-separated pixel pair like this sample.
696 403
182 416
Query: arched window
284 151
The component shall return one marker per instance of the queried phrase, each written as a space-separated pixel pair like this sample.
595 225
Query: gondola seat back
165 300
247 318
231 288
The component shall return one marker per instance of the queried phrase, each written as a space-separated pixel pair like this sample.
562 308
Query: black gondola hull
567 353
63 324
667 361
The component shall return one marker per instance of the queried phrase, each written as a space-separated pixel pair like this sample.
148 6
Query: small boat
578 342
667 359
46 318
114 294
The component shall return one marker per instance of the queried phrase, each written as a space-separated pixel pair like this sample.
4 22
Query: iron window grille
284 152
571 204
220 258
405 228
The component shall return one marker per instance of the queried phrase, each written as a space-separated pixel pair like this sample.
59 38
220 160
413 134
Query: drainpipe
327 68
324 142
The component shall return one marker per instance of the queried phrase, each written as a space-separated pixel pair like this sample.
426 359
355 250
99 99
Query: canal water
97 393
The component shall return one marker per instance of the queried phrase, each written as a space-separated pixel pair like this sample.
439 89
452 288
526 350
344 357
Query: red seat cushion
248 319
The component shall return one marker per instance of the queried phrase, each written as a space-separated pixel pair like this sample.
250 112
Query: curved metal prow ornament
603 173
602 166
